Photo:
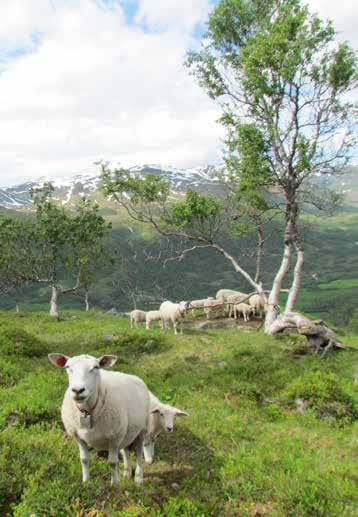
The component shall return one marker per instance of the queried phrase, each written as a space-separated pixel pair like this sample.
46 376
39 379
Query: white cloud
344 16
92 86
95 87
172 14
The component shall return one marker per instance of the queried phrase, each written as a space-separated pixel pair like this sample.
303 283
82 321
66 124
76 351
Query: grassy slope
243 451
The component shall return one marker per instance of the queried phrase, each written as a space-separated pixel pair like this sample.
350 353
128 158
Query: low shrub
323 392
19 342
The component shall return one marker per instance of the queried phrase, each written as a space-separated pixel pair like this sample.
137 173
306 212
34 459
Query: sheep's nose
169 429
78 391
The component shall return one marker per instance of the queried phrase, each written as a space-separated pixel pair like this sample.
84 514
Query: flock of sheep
111 412
227 301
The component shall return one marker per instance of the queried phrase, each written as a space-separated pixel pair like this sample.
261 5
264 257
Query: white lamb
107 411
137 316
243 309
173 312
257 302
152 316
233 299
161 419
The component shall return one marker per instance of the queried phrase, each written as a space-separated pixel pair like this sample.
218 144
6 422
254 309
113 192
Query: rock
109 338
300 405
112 312
175 486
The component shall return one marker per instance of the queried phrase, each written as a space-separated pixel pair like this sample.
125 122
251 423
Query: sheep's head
83 372
184 307
167 415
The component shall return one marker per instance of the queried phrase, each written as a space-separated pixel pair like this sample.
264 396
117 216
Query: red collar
85 410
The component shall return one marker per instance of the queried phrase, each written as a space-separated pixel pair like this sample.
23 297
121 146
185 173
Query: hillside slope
244 449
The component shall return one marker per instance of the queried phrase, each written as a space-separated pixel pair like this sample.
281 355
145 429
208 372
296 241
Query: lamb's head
167 415
83 372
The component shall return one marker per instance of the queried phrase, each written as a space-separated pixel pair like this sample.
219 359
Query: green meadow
244 449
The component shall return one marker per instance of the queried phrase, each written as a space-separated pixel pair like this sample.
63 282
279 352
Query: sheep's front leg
127 471
175 327
84 457
113 462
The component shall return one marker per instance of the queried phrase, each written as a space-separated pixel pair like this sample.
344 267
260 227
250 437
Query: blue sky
83 80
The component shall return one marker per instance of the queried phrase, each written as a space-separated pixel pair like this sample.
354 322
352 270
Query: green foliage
195 210
147 189
281 82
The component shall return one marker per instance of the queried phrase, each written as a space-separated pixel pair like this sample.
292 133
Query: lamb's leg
113 463
84 457
138 446
147 449
127 471
175 327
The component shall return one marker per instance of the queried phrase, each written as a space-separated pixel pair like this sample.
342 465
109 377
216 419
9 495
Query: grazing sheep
222 295
210 305
244 310
161 419
107 411
136 316
199 304
173 312
233 299
258 303
152 316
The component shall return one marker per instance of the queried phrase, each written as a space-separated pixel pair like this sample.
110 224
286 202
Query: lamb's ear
179 412
59 360
155 409
106 361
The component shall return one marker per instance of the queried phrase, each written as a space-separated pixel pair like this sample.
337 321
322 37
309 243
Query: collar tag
86 420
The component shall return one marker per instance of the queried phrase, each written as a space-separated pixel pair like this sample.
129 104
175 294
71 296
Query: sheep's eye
161 414
94 368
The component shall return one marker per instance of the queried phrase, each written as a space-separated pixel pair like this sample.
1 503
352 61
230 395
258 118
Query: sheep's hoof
138 480
127 474
149 461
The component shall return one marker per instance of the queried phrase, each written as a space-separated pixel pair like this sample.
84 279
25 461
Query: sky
85 80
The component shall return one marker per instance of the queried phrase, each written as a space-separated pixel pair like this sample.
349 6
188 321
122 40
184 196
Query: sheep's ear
179 412
155 409
59 360
106 361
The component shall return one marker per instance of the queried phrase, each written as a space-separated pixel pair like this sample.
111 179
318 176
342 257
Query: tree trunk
53 301
86 300
296 275
260 249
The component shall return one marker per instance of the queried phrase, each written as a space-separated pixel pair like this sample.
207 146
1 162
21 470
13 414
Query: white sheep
243 309
258 303
137 316
173 312
107 411
152 316
210 305
233 299
199 304
161 419
222 295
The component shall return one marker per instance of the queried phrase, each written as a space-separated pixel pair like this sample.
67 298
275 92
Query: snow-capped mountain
17 197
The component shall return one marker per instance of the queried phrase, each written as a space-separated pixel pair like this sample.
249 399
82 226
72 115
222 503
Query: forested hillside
330 280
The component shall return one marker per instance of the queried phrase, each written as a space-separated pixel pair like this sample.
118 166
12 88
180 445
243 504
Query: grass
244 450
